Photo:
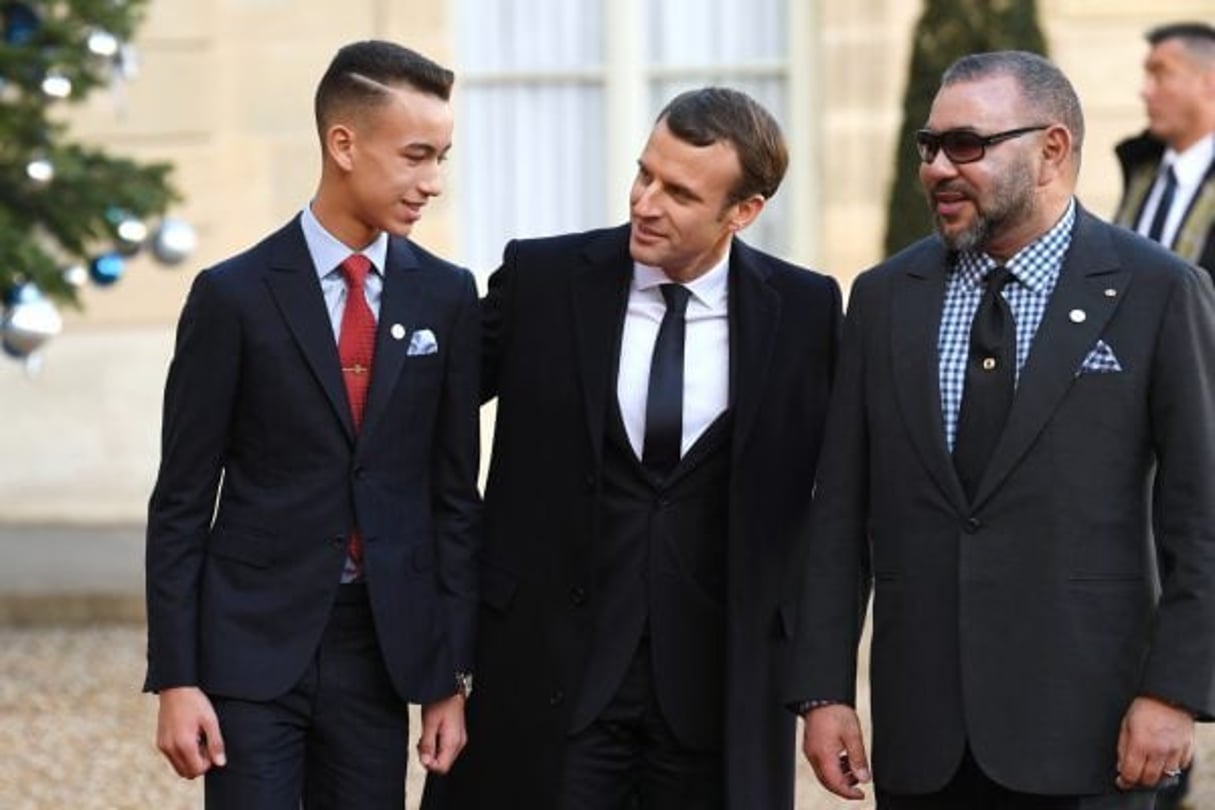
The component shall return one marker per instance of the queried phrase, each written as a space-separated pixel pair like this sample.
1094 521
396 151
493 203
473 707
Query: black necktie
664 401
1162 207
990 380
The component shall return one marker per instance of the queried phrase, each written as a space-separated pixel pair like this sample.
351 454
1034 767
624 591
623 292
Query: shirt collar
328 251
710 288
1192 164
1036 265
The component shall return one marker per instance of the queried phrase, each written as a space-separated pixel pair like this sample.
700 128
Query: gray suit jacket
1024 623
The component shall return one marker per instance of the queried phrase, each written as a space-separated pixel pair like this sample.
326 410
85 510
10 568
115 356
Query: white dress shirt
1190 166
706 359
328 252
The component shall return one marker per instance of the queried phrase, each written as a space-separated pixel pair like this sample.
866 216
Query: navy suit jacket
263 475
1025 622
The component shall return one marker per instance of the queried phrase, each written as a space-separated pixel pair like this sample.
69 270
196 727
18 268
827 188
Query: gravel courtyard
75 731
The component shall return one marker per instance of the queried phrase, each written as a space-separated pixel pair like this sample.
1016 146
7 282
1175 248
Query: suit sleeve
835 580
457 504
199 396
495 310
1181 662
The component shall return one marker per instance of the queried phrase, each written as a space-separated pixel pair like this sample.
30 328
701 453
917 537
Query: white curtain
531 135
529 129
736 43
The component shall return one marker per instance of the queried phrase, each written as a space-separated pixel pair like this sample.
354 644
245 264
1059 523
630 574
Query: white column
626 122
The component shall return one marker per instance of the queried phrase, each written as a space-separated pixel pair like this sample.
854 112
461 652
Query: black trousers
629 759
971 789
338 739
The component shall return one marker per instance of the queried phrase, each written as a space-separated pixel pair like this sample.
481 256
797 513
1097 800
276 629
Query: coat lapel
599 294
401 304
1075 317
917 301
754 316
296 289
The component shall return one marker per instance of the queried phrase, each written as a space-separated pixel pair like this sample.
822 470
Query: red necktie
356 349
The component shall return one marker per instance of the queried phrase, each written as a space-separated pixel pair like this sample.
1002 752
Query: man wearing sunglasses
1017 464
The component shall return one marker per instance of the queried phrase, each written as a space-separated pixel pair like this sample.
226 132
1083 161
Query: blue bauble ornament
107 268
21 23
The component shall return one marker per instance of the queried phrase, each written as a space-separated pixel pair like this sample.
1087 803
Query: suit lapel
1075 317
917 302
296 289
401 303
754 317
599 294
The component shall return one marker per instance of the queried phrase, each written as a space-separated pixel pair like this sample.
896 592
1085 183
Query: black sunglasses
962 145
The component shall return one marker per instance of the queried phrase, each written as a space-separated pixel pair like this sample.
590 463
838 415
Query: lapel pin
1077 316
397 331
1110 292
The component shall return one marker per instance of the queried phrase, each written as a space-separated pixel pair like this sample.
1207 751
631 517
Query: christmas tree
947 30
68 210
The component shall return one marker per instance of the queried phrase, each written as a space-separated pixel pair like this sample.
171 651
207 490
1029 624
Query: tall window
556 98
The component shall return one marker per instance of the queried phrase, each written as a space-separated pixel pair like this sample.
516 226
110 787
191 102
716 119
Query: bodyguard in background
661 387
1018 459
312 535
1169 170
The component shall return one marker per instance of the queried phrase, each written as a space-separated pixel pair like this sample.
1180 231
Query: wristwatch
464 683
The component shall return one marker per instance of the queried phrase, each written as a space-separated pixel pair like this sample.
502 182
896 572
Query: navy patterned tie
987 393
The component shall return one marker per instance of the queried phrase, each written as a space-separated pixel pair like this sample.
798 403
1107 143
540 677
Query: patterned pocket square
1100 360
421 342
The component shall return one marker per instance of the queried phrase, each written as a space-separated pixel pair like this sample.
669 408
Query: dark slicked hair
714 114
1043 85
1197 38
362 74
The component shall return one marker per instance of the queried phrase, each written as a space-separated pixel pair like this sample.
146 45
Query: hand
834 748
443 734
1155 737
187 731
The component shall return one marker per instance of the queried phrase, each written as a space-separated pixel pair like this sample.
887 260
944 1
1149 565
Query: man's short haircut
1043 86
363 74
1196 38
710 115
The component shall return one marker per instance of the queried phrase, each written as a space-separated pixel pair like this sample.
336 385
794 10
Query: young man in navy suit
1018 459
312 534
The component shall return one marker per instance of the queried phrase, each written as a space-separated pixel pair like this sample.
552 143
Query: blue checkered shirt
1035 270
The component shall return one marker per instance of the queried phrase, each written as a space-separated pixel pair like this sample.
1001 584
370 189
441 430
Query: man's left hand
1156 740
443 733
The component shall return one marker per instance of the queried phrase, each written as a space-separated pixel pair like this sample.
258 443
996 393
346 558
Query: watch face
464 683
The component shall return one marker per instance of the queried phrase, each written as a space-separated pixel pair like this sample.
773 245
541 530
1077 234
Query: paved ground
74 729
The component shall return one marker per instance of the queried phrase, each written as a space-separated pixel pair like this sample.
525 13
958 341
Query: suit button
577 596
973 525
556 698
337 541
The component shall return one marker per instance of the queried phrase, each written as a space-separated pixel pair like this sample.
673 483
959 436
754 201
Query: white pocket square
421 342
1100 360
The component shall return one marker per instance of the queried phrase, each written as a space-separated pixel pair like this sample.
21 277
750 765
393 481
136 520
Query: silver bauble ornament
56 85
103 43
174 241
77 275
40 170
29 322
130 234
